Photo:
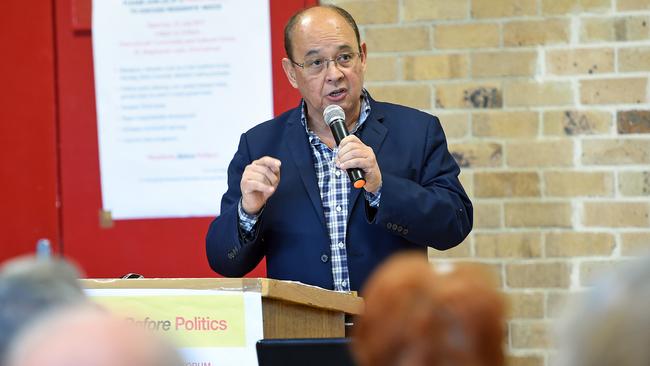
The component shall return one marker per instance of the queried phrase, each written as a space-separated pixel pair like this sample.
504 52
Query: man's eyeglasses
314 66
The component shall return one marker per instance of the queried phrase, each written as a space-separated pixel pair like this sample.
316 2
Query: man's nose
332 71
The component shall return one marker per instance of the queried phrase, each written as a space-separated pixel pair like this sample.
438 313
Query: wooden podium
289 309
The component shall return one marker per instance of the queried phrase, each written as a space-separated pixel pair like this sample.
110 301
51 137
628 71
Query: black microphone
335 118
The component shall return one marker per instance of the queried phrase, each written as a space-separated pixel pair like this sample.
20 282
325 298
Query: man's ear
290 71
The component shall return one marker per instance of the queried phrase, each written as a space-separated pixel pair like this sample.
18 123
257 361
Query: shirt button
341 245
338 208
344 284
324 258
338 173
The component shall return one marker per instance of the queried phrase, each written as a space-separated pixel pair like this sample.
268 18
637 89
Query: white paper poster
209 327
177 82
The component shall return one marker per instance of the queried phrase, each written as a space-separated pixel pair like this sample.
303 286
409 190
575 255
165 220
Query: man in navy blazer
289 198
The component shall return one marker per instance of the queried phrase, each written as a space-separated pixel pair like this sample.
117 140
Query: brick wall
546 106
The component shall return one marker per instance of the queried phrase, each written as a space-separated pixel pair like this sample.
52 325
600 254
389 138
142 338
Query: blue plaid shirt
334 186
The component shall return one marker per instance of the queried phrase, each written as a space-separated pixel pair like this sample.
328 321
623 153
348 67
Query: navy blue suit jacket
422 202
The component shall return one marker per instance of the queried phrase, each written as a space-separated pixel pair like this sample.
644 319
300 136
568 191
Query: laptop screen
301 352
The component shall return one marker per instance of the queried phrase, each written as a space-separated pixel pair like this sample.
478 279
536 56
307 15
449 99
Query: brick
634 59
556 303
633 122
614 29
538 214
455 125
505 124
597 30
503 8
506 184
398 38
579 244
530 334
508 245
632 4
635 244
416 96
524 93
461 250
487 215
380 11
469 95
576 184
538 275
634 183
467 35
525 360
636 28
613 91
430 67
616 151
580 61
381 69
592 272
536 32
504 63
562 7
414 10
616 214
466 179
570 123
534 153
477 154
526 305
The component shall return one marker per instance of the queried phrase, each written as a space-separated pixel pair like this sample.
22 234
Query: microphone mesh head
332 113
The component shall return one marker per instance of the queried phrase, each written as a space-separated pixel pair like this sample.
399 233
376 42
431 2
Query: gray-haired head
610 325
29 288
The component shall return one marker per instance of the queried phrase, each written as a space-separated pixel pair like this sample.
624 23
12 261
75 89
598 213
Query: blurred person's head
90 336
610 324
30 287
418 315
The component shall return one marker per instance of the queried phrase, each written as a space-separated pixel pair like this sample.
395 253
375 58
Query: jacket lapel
372 133
298 144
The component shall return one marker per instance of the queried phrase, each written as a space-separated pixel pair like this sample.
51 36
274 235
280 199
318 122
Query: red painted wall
28 150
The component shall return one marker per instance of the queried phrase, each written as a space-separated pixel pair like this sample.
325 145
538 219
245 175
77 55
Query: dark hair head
288 29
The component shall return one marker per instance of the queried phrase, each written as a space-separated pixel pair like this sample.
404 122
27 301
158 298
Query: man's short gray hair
30 287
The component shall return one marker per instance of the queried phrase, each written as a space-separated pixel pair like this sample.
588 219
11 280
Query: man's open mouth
336 92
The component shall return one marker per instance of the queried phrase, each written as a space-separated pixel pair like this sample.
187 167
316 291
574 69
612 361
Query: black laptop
304 352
